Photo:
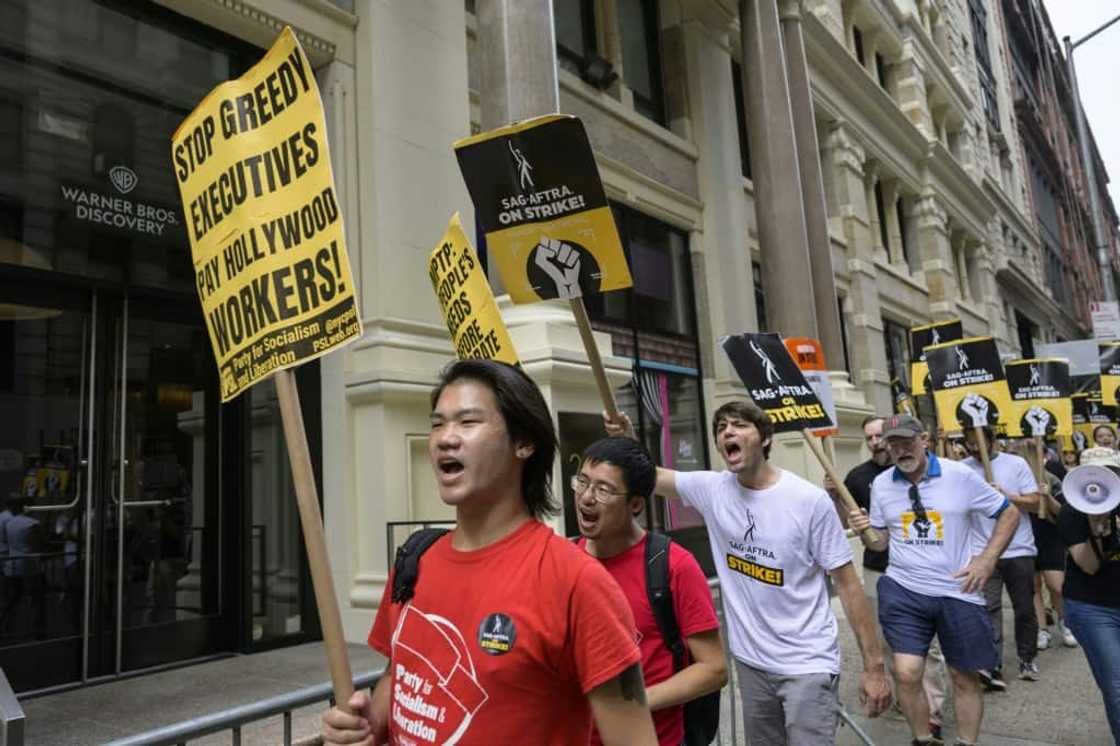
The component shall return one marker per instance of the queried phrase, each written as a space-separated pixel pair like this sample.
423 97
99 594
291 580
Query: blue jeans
1097 628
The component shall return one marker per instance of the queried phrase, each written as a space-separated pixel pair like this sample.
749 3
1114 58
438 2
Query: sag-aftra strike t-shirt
501 645
772 548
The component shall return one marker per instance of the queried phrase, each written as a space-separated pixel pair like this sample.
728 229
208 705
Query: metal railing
236 718
11 715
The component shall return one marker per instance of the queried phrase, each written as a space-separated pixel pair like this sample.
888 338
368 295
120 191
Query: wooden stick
1043 483
849 502
940 448
984 459
830 446
311 518
593 359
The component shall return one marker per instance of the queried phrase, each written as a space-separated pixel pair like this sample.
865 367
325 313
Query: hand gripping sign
777 385
465 298
1040 405
537 194
969 387
270 263
922 337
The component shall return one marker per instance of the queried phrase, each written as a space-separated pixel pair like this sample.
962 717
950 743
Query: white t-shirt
772 548
1014 475
924 557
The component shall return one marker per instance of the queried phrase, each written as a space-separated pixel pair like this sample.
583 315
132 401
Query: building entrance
113 504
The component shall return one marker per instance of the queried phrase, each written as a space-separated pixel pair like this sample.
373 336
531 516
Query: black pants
1017 575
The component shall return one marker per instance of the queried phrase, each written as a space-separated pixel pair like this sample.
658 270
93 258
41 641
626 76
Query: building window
881 214
844 333
759 298
903 230
978 15
896 341
641 56
741 118
11 131
575 32
881 71
857 42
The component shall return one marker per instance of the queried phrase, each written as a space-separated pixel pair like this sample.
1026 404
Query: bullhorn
1094 487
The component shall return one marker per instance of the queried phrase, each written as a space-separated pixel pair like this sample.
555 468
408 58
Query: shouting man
774 537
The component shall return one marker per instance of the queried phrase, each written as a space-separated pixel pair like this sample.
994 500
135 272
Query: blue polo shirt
926 553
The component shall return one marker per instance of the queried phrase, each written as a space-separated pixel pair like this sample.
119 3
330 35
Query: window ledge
571 83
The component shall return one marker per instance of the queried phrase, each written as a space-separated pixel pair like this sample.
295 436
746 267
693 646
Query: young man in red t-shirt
614 481
513 635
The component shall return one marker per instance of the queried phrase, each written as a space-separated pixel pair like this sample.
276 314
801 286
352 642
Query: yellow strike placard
264 220
467 302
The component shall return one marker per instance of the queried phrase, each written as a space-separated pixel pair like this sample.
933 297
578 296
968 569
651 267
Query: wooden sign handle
584 325
984 459
846 497
307 497
1043 483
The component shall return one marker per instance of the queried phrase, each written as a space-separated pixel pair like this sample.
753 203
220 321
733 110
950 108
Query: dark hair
750 412
639 473
871 418
1106 427
527 420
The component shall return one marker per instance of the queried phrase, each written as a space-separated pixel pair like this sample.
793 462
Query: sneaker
1067 637
929 740
996 682
1028 670
985 679
1043 639
935 731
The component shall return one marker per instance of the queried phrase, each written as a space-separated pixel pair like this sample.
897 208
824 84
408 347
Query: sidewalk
1063 708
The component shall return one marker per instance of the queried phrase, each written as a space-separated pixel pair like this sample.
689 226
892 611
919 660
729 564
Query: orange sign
809 356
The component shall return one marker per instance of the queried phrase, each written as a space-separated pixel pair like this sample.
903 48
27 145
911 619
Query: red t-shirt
692 602
502 644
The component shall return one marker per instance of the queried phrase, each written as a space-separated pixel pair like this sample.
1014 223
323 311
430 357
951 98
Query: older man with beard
927 507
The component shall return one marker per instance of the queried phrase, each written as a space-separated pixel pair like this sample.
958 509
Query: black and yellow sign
537 194
761 573
968 384
1089 413
1110 371
775 383
465 298
900 395
922 337
264 220
1040 405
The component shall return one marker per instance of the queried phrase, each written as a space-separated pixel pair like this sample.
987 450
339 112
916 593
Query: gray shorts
795 710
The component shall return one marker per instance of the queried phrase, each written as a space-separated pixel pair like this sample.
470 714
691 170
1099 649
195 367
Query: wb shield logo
123 178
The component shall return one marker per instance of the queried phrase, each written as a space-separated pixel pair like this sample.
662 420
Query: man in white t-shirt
933 582
774 537
1012 476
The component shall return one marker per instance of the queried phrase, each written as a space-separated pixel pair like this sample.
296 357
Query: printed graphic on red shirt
436 692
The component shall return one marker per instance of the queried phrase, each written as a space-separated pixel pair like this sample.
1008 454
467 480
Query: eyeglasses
916 504
599 491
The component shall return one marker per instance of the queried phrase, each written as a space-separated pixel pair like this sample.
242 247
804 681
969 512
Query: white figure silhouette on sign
524 168
962 358
1035 375
767 364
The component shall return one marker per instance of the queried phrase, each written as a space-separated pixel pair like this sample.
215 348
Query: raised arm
623 427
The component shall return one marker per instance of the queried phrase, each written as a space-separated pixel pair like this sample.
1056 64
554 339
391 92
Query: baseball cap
902 426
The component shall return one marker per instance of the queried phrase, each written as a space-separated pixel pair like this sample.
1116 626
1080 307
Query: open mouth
732 449
449 467
587 518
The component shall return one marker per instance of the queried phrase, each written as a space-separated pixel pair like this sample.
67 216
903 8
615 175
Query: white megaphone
1094 487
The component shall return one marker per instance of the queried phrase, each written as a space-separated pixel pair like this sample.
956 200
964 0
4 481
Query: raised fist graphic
560 262
976 407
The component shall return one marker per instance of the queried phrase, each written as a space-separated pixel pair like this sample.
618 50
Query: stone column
870 179
782 235
960 252
936 252
890 215
910 84
812 184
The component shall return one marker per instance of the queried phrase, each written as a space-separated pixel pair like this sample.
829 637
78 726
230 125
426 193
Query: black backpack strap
406 566
661 595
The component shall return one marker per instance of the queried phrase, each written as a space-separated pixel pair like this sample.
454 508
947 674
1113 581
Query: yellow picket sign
264 221
465 298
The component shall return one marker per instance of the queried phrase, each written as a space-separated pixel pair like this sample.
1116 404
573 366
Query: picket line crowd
502 632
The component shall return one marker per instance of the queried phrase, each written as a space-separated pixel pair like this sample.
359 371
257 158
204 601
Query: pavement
1063 708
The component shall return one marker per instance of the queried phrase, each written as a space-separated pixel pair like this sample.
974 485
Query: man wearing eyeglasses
616 478
924 510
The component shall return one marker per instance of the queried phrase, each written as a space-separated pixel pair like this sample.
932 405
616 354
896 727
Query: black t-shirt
858 482
1102 589
1055 468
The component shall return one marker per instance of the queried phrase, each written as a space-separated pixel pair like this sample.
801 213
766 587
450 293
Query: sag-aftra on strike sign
263 219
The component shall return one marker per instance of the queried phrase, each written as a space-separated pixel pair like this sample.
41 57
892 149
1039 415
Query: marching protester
858 481
502 631
775 536
926 506
615 480
1013 478
1089 524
